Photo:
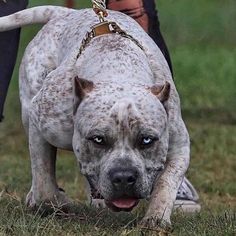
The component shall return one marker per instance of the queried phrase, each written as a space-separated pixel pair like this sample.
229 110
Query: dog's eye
147 141
98 140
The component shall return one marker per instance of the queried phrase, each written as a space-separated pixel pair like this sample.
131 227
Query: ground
202 40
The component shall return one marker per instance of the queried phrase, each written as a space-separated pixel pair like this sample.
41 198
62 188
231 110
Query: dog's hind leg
44 186
35 66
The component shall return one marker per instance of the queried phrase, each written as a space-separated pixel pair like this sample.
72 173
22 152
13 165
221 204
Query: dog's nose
123 178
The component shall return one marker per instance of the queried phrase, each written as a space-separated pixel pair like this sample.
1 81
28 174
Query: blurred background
201 37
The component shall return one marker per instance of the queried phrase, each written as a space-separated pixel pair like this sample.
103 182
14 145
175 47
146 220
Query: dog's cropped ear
81 88
162 92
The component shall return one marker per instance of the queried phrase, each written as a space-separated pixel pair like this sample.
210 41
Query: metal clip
99 7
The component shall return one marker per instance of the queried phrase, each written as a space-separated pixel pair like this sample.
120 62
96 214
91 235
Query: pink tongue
124 203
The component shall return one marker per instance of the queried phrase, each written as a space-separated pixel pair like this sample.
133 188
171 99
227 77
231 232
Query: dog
111 99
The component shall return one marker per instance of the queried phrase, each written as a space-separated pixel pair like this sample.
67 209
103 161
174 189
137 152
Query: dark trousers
143 11
8 48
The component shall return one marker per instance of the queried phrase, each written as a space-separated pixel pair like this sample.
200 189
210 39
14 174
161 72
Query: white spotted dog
110 99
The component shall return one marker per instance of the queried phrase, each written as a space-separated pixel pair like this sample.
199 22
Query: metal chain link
88 37
117 29
99 7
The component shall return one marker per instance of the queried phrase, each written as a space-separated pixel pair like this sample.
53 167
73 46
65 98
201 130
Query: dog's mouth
122 204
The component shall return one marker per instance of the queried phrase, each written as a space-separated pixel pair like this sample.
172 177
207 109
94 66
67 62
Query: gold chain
99 7
117 29
85 42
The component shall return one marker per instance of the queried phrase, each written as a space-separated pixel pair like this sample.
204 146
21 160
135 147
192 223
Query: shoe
187 198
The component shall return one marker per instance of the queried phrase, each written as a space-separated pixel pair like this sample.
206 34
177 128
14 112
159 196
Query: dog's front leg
165 190
44 187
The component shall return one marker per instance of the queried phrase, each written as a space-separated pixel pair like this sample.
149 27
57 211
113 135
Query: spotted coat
114 90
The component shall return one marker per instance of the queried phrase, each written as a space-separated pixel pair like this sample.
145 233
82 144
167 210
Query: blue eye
98 140
147 141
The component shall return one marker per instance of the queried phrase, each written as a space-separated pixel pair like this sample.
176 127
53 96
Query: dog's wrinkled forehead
123 110
125 114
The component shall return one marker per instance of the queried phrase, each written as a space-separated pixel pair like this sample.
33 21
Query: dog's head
120 139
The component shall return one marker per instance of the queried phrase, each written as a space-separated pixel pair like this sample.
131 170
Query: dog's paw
155 224
57 201
98 203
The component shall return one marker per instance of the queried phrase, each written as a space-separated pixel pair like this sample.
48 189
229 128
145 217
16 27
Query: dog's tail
41 14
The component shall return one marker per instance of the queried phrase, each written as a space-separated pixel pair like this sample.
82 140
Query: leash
104 27
99 7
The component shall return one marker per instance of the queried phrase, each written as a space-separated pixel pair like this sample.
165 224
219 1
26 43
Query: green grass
202 40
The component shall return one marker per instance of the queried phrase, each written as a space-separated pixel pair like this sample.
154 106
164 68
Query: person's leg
145 13
8 48
154 29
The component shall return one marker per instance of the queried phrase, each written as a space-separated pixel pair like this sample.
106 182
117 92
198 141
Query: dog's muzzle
123 184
